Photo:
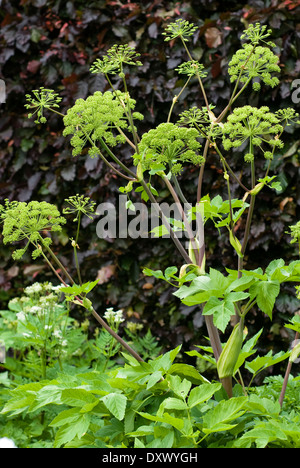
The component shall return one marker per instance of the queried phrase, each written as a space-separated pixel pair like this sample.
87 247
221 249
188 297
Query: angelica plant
104 121
259 63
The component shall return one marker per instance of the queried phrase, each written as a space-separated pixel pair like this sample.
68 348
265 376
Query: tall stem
93 311
184 218
175 99
75 246
286 377
198 76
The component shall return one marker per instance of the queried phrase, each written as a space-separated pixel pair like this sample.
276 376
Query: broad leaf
171 403
68 432
262 362
178 423
218 418
116 404
265 293
221 310
202 393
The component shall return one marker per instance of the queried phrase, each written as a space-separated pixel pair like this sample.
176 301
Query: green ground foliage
53 44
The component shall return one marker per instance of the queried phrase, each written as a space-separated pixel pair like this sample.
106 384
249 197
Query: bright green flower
287 115
43 99
192 68
116 57
95 118
26 221
180 28
80 204
194 116
201 120
167 147
259 63
257 33
259 125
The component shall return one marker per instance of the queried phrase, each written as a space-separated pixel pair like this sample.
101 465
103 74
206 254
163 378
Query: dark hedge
53 44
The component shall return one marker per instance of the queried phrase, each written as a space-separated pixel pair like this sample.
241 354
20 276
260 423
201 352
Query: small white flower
5 442
119 316
33 289
57 288
14 300
21 316
57 334
35 309
111 315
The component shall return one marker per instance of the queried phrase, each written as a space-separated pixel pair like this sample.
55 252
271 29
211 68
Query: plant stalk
286 377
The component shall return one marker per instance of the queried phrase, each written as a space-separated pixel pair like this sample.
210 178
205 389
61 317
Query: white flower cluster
35 288
114 316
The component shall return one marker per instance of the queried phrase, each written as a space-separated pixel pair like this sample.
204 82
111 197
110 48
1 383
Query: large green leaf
202 393
220 417
66 417
68 432
265 293
116 404
262 362
171 403
178 423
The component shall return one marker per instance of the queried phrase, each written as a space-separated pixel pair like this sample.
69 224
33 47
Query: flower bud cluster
167 147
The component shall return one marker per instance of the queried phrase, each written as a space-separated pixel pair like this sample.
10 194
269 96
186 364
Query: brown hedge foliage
52 44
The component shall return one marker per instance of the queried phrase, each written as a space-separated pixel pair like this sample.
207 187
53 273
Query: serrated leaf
221 310
178 386
116 404
160 231
202 393
68 432
218 418
171 403
141 431
265 293
156 273
188 372
77 397
65 417
166 418
262 362
154 378
76 289
47 395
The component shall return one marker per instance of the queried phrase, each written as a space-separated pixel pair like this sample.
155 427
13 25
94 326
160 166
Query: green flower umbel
26 221
167 147
97 118
43 99
259 126
249 64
